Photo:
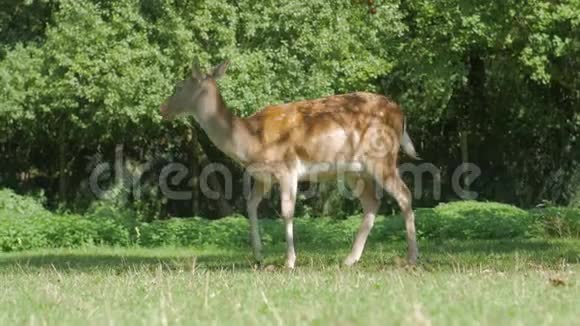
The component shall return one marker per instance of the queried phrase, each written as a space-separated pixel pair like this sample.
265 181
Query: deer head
193 94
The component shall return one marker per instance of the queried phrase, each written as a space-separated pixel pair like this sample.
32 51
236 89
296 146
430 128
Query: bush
21 234
556 222
61 231
461 220
457 220
16 206
229 231
427 221
481 220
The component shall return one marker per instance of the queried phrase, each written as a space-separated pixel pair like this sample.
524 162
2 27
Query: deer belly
321 171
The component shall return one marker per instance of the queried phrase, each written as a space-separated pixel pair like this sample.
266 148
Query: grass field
457 283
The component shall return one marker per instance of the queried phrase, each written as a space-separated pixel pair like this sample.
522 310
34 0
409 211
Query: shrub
457 220
229 231
427 221
15 206
556 222
325 231
113 231
481 220
22 234
460 220
60 231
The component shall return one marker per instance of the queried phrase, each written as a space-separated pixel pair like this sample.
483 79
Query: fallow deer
355 135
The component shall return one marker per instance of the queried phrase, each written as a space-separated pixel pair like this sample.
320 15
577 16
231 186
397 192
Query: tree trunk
465 159
62 170
195 173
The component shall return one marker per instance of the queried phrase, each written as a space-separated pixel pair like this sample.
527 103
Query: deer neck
226 131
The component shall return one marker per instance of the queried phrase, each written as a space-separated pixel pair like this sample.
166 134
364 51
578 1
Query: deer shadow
441 253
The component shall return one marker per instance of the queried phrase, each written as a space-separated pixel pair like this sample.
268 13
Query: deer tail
407 144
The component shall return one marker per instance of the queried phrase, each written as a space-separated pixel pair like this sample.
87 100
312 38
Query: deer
356 136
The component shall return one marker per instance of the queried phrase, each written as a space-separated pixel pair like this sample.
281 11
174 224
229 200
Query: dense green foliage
78 78
13 205
458 220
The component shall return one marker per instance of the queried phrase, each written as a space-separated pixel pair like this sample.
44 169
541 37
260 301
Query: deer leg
258 192
288 189
393 184
364 190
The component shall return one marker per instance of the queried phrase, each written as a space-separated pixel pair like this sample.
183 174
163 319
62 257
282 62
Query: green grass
457 283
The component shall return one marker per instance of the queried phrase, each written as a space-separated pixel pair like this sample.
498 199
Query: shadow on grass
489 246
501 252
434 253
123 262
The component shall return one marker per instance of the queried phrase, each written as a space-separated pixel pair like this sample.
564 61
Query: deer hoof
349 261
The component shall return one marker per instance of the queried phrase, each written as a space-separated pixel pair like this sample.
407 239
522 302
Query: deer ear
196 70
220 70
